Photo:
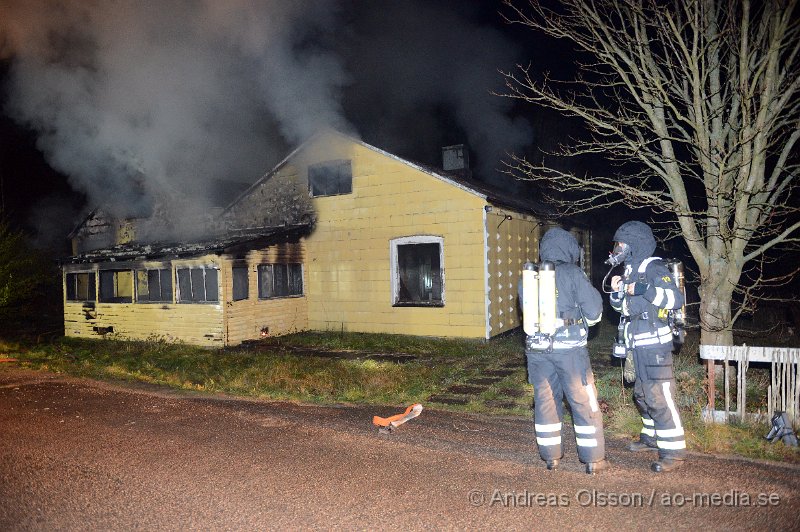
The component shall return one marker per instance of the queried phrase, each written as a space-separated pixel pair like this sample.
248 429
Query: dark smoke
142 101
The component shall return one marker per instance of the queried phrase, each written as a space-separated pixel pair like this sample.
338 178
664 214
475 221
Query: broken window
198 285
154 286
330 178
280 280
418 275
116 286
81 286
241 283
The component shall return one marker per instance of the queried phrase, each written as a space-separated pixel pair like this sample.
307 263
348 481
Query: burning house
369 242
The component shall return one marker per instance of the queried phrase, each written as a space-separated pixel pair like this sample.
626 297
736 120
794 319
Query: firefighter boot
552 465
639 446
593 468
664 465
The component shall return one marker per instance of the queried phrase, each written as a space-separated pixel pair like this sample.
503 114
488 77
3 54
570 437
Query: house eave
231 242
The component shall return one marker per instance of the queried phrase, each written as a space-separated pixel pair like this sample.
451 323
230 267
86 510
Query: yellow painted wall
348 254
510 243
193 323
126 232
214 324
245 319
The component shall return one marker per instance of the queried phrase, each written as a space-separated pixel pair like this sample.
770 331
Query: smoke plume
136 101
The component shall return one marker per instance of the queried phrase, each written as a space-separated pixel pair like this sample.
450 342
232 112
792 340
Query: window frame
334 164
289 278
116 285
394 265
234 269
192 279
91 287
169 274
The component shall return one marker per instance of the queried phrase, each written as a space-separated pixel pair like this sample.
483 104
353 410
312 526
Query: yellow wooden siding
245 319
226 323
199 324
126 232
79 320
510 243
193 323
348 265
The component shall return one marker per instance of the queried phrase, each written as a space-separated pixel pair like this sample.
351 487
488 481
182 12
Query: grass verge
354 368
281 369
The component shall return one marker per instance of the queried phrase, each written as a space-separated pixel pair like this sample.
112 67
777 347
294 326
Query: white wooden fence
783 393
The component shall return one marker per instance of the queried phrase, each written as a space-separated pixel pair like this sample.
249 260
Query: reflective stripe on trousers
654 398
565 373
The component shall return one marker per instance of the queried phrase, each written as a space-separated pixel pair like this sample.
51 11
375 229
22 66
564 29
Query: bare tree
697 104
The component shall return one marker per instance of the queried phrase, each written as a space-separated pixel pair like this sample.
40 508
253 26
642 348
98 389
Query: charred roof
233 241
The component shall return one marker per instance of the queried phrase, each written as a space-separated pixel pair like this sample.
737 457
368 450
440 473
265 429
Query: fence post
712 385
783 392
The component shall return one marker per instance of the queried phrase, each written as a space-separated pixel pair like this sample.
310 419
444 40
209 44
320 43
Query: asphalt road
82 455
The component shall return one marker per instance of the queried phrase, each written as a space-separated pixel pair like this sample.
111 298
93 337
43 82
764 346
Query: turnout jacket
578 303
657 293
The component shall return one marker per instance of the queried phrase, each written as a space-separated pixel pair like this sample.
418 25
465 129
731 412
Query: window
241 283
280 280
330 178
81 286
154 286
417 271
198 285
116 286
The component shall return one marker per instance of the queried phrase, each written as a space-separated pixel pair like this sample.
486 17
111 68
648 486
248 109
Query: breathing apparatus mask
619 254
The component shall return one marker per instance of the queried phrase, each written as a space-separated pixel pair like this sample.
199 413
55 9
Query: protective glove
629 371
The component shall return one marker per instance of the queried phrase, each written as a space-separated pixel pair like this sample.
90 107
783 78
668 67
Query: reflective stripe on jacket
648 317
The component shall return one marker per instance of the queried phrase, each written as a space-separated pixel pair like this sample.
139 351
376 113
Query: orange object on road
392 422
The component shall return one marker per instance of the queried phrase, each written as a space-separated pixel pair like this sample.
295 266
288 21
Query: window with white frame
280 280
198 285
417 271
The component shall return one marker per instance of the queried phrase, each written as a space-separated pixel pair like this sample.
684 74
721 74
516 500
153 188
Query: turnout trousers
560 374
654 396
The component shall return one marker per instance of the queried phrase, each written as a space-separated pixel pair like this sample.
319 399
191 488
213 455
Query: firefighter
558 363
645 294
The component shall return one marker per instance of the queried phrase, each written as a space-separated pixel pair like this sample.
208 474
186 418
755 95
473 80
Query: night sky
198 98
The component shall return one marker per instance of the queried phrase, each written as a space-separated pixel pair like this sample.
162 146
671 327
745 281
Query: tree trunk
716 327
715 323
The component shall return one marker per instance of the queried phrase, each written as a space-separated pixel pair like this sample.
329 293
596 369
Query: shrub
23 271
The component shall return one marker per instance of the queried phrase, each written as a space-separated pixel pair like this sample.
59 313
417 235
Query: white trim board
750 353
